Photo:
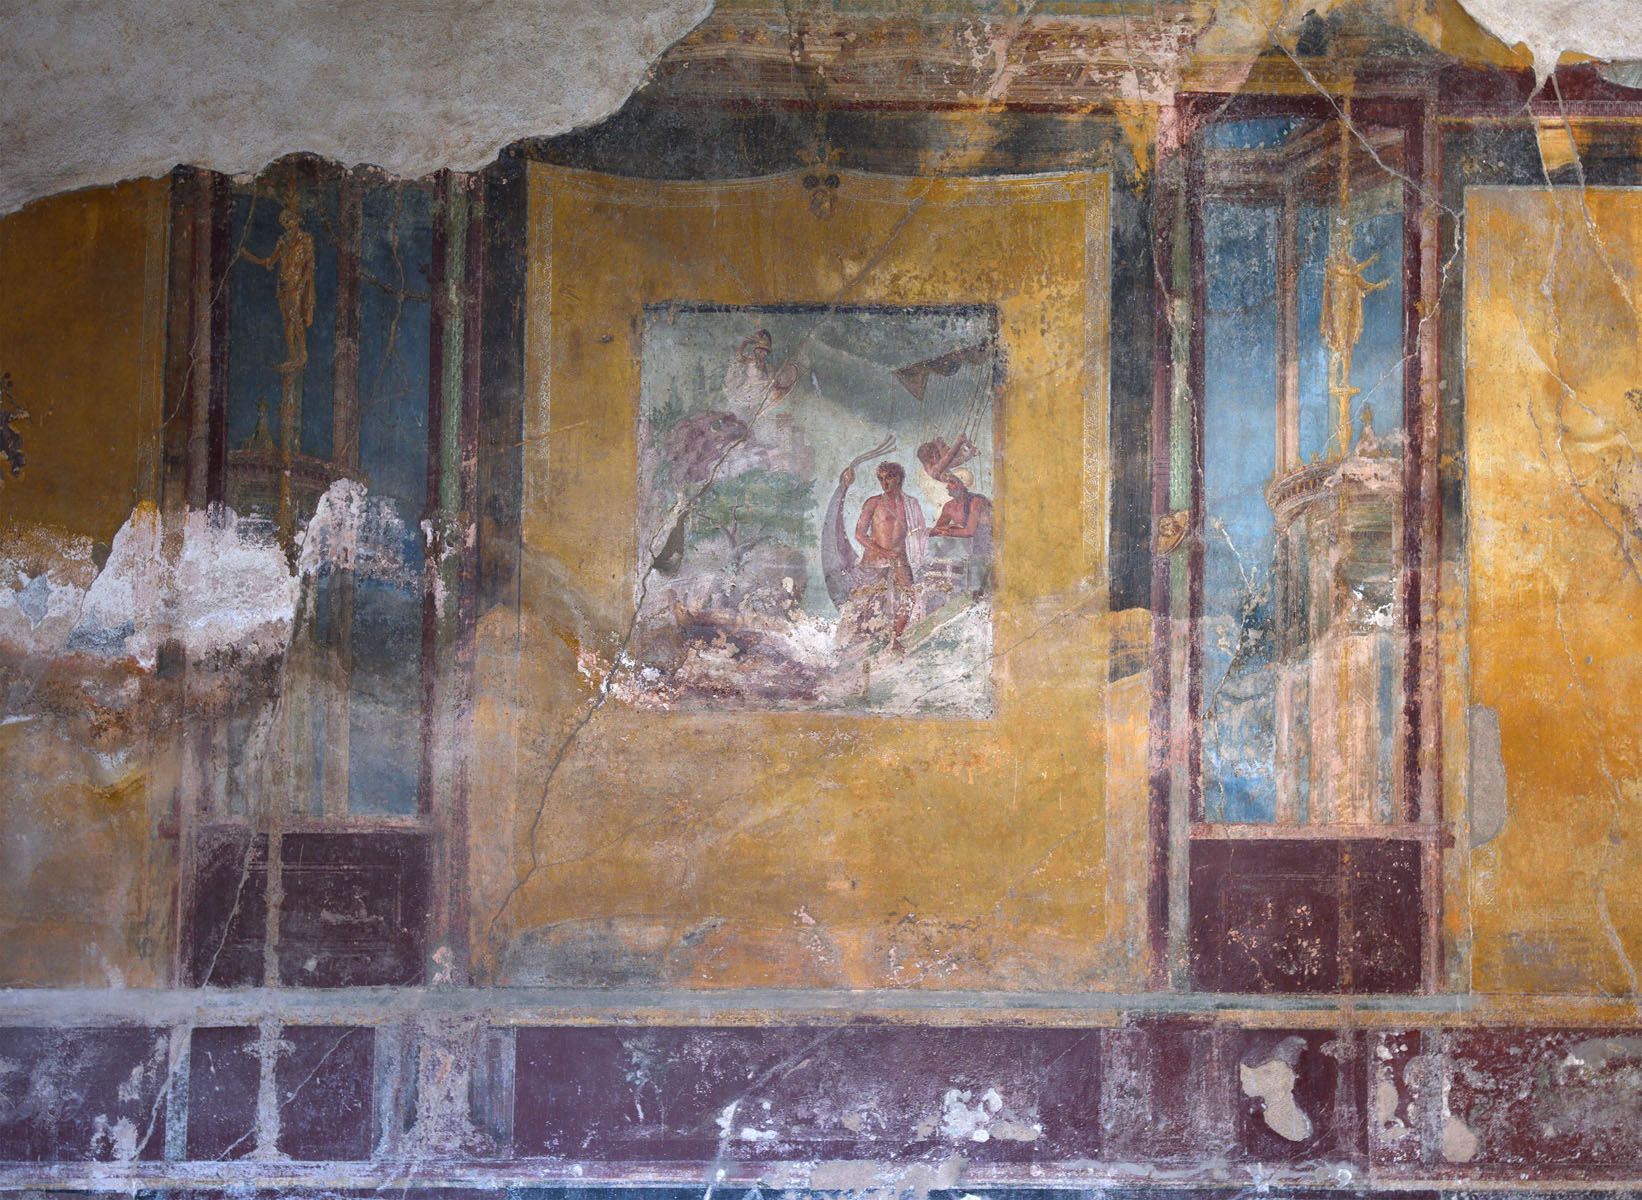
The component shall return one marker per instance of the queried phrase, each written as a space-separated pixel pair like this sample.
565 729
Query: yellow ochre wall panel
1553 426
85 882
82 307
792 849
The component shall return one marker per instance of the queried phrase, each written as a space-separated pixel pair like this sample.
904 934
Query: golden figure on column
1343 290
292 261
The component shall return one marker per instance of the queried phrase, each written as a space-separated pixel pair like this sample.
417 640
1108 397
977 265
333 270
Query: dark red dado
846 1092
1201 1099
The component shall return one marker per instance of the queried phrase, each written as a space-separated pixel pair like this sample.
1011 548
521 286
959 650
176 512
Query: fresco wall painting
858 305
865 625
776 589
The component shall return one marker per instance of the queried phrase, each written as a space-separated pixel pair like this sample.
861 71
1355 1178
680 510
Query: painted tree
752 509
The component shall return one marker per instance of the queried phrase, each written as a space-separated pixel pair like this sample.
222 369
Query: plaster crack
620 659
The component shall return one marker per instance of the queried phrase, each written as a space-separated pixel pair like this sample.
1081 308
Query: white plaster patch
726 1119
351 528
223 585
984 1120
228 587
231 589
39 611
120 1137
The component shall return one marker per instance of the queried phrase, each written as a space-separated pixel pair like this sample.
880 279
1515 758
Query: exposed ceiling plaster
1604 29
95 91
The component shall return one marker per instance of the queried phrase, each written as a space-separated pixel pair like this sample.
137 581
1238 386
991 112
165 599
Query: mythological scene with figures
816 509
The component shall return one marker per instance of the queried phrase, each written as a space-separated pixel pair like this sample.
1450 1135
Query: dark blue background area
395 261
395 264
1260 133
256 333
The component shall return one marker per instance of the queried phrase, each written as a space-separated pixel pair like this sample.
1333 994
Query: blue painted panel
256 332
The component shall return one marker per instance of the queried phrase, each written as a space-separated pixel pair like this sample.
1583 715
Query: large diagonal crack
603 690
718 1168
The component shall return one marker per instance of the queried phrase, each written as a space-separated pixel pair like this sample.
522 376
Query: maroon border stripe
456 826
220 190
1414 456
1196 373
438 290
1157 885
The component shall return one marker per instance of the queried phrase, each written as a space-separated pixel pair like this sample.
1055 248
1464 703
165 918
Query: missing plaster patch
1486 790
1598 1054
1386 1100
104 90
1459 1144
1605 29
1271 1081
916 1180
